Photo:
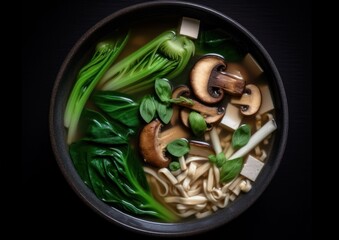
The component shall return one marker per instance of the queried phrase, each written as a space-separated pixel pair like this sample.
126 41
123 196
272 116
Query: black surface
49 31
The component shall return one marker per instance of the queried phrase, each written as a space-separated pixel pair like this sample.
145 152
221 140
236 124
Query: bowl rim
126 220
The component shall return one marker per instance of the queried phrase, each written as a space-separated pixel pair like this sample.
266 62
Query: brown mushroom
199 148
250 101
209 79
153 142
212 115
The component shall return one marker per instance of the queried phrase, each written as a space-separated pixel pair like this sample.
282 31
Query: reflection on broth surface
169 122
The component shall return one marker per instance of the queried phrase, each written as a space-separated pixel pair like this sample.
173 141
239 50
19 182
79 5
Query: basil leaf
178 147
230 169
174 166
212 158
118 106
219 160
164 112
163 89
197 123
147 108
241 136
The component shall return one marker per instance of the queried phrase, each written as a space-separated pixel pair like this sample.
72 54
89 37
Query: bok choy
105 54
164 56
108 165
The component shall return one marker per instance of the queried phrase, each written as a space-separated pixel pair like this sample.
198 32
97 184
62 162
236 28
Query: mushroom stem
173 133
230 83
203 109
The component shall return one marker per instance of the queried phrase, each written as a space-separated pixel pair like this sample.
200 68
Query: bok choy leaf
116 177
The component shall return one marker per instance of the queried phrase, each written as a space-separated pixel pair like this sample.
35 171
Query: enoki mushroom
194 190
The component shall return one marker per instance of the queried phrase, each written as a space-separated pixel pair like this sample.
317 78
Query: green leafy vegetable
164 112
118 107
178 147
147 108
174 166
197 123
241 136
100 130
162 102
218 160
163 89
230 169
116 177
165 56
220 42
88 77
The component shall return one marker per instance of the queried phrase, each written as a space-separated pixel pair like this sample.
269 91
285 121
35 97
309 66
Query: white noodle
182 162
156 177
165 172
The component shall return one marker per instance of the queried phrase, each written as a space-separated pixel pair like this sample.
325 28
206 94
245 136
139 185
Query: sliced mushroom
153 142
250 101
199 148
212 115
209 80
179 91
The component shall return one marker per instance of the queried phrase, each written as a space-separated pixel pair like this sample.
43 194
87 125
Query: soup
168 122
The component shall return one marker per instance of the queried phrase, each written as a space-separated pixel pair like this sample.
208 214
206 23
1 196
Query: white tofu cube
189 27
232 117
266 99
252 168
252 67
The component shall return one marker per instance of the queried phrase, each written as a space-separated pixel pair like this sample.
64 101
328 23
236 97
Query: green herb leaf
241 136
164 112
174 166
218 160
147 108
118 106
197 123
163 89
178 147
230 169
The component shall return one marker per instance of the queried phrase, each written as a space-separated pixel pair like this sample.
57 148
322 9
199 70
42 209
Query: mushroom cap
250 101
200 75
151 148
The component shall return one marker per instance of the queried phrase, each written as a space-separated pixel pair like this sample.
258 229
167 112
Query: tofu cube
232 117
252 67
266 99
252 168
189 27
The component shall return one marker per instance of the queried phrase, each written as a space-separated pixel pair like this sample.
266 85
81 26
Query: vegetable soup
170 120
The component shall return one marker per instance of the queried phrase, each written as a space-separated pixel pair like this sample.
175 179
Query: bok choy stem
88 77
165 56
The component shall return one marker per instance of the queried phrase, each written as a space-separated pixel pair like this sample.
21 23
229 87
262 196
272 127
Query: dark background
50 29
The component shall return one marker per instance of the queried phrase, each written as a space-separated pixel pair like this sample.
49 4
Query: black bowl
75 60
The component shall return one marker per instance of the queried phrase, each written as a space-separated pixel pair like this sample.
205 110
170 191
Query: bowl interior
154 12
